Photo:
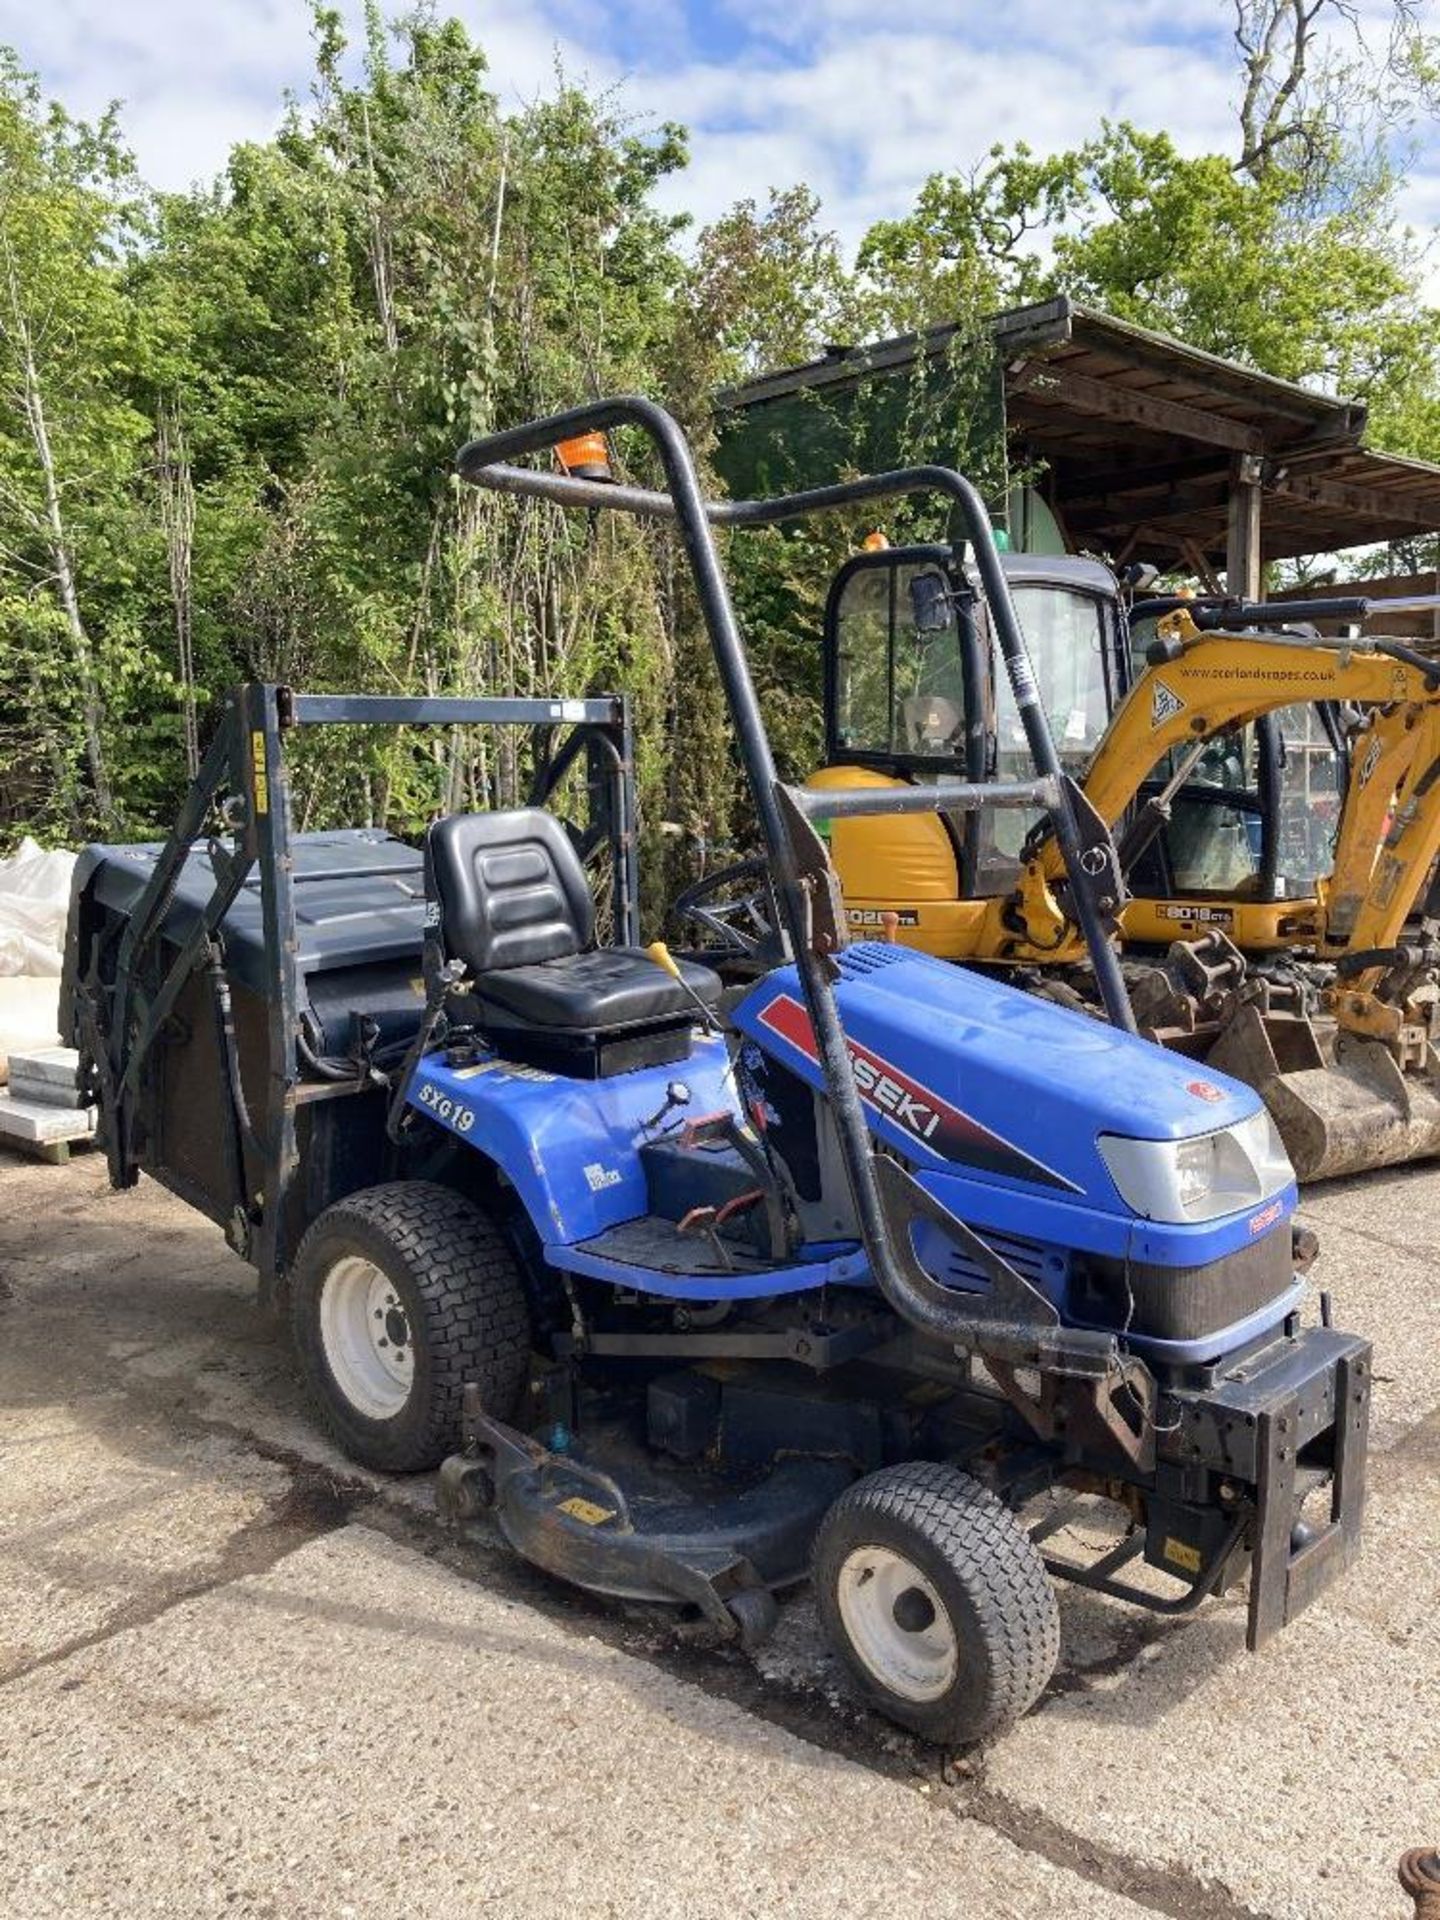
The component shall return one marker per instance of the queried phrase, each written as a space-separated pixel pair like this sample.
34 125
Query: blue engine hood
956 1068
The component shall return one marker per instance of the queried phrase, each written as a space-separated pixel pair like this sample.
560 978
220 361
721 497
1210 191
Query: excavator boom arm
1406 855
1219 681
1381 757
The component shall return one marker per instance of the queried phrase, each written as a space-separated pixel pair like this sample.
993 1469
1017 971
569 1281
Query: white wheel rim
897 1623
366 1336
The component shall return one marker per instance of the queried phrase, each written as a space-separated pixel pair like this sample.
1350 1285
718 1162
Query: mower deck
635 1529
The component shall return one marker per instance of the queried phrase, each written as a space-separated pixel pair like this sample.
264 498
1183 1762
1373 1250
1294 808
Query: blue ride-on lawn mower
699 1289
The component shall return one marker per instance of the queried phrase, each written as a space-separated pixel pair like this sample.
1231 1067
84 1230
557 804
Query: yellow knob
660 954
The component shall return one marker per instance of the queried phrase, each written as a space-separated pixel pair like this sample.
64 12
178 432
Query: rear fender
569 1148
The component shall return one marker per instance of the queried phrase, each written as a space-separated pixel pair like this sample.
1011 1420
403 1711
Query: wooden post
1242 538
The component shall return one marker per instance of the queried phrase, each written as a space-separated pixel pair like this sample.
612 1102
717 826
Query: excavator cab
1246 834
916 691
1251 827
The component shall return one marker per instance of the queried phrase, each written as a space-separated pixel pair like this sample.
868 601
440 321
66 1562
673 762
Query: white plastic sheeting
34 902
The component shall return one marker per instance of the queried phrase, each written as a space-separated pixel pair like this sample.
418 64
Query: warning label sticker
1164 704
586 1511
1181 1554
262 778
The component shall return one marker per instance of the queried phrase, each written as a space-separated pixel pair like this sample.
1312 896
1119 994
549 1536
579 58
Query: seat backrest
510 887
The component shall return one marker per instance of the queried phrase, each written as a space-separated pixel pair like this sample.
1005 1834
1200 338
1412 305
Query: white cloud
859 105
195 78
870 115
187 93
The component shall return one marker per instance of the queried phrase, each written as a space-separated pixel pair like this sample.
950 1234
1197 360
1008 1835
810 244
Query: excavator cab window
1069 614
1215 840
895 678
915 685
1068 634
1257 817
1065 635
1312 795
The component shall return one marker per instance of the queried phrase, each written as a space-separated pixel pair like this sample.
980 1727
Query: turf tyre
459 1286
980 1573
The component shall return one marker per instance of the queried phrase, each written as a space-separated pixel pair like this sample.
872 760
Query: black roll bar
486 463
806 885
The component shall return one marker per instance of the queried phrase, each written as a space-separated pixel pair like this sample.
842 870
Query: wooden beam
1259 393
1057 386
1420 623
1147 534
1364 503
1119 483
1176 506
1200 561
1242 529
1378 586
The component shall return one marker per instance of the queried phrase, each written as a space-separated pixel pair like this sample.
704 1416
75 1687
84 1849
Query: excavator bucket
1341 1101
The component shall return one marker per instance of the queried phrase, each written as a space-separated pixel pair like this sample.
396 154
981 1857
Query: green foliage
1252 271
1308 275
961 248
227 417
768 289
69 444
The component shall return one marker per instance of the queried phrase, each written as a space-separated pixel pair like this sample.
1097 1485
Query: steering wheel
735 908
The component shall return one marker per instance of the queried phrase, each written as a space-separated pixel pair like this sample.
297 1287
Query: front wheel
400 1295
937 1600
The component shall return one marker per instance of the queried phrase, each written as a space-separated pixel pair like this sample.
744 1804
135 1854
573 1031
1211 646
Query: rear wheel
399 1296
937 1599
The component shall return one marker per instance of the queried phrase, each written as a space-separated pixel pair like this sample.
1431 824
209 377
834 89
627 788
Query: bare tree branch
177 521
1301 87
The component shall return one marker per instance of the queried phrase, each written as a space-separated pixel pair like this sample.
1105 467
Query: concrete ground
240 1677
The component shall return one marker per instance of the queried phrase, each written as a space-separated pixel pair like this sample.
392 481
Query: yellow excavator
1307 982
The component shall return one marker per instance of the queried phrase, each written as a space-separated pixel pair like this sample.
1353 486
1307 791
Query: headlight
1203 1177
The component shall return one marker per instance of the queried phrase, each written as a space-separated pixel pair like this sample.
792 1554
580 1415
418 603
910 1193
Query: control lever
677 1094
665 960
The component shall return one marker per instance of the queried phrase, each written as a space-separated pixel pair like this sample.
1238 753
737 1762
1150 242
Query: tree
1308 73
228 417
1240 268
969 244
767 288
1247 268
69 444
405 266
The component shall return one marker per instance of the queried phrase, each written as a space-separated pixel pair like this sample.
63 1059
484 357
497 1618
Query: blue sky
857 99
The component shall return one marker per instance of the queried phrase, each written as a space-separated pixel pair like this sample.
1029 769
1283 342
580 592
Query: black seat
515 909
604 987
